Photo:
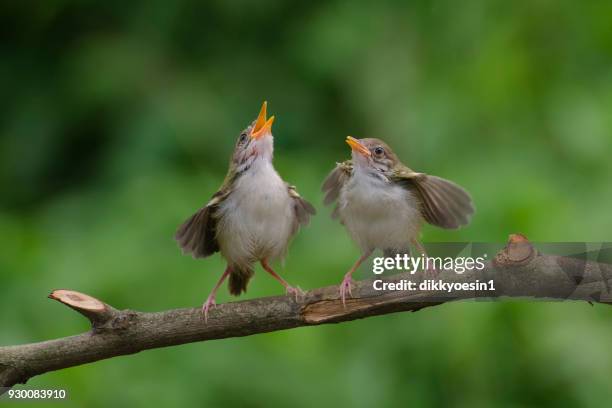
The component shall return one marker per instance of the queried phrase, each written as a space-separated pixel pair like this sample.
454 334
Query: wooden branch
518 270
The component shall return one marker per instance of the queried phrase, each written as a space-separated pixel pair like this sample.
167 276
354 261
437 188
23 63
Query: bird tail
239 279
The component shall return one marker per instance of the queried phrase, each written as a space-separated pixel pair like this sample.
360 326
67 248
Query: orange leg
290 289
210 301
345 286
430 271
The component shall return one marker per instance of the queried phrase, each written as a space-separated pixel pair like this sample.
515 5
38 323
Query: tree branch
518 270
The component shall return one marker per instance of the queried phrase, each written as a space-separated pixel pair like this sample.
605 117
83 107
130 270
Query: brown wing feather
302 209
334 183
198 234
444 203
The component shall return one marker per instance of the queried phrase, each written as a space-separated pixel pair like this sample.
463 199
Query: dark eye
379 151
242 138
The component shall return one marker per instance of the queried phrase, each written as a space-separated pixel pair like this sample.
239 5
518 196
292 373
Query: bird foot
297 292
345 287
210 302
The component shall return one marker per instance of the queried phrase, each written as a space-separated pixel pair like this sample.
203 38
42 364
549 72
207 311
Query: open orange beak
357 146
262 126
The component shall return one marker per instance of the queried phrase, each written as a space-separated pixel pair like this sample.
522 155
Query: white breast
379 215
256 219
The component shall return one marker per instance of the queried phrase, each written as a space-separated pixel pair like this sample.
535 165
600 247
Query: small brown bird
251 218
383 203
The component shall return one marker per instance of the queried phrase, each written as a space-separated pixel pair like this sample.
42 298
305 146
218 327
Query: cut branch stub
518 251
78 300
95 310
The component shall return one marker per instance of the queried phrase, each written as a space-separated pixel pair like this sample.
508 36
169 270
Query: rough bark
518 270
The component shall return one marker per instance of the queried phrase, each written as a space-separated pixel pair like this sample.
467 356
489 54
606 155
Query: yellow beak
357 146
262 126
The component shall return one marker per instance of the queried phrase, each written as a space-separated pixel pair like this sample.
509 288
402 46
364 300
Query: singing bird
382 203
251 218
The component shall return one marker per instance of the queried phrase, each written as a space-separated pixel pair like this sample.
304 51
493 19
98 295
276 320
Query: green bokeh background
117 120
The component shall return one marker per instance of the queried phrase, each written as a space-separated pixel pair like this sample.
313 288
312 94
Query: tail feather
239 279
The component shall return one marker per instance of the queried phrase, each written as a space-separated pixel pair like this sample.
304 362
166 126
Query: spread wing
198 234
302 209
443 203
334 183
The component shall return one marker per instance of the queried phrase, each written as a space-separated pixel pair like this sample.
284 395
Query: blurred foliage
116 122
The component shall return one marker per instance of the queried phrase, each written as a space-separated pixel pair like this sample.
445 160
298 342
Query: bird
383 203
251 218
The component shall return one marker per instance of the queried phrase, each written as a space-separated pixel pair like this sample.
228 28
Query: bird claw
210 302
297 292
345 287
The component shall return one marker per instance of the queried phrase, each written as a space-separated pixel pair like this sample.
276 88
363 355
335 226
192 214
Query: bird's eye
379 151
243 138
